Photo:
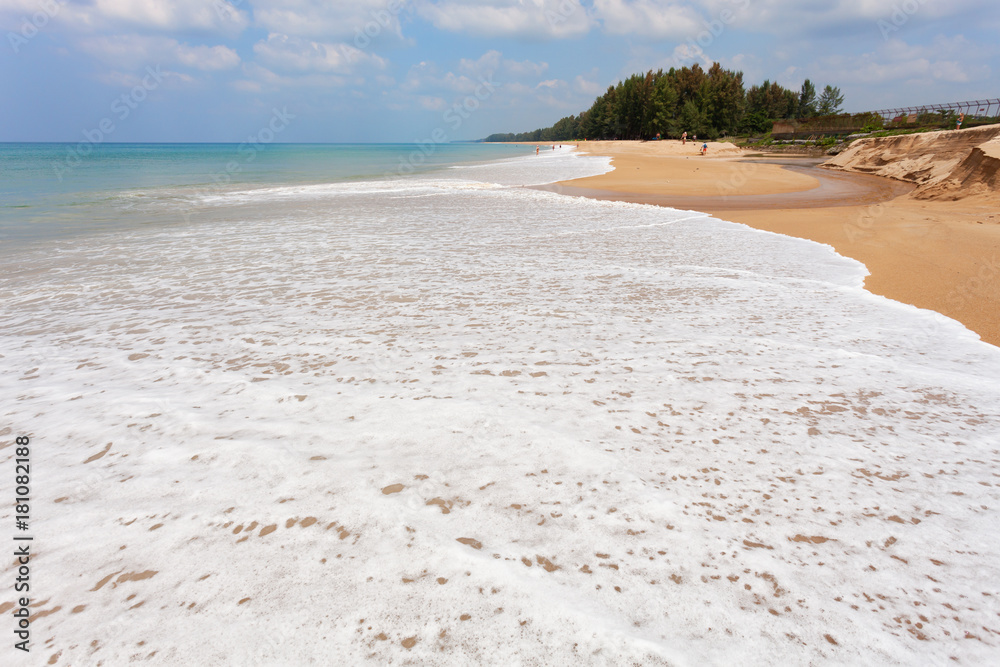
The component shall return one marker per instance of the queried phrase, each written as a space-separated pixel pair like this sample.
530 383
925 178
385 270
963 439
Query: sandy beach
942 255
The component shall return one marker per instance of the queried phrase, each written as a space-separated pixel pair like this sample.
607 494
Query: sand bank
933 242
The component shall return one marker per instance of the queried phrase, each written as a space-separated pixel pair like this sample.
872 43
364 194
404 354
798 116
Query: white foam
652 404
547 167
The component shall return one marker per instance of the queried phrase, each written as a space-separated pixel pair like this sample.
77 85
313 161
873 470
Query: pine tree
807 100
831 101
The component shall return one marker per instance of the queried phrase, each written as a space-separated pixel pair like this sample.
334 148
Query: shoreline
936 255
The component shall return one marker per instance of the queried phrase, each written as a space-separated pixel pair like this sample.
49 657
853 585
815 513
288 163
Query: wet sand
942 256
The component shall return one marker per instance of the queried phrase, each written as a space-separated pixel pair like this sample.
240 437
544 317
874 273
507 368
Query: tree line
708 104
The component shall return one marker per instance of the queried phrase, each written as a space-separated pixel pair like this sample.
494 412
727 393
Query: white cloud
585 87
426 77
834 17
357 21
207 57
558 94
488 62
267 79
950 60
246 86
136 51
148 15
648 18
688 19
432 103
286 53
492 62
525 68
118 79
537 19
686 55
552 84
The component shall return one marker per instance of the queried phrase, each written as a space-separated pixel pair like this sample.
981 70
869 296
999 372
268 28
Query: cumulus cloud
426 77
551 84
558 95
432 103
138 50
207 57
493 62
834 17
586 87
534 19
118 79
648 18
373 19
900 62
286 53
258 77
145 15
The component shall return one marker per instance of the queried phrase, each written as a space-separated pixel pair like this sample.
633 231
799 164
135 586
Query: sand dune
947 165
977 175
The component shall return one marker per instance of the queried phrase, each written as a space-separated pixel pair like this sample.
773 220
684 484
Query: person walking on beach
684 139
704 148
958 125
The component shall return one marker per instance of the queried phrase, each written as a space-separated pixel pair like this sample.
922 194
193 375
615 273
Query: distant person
704 148
696 138
684 139
958 124
537 148
553 146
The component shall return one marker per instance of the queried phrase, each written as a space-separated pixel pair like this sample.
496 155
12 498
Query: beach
939 255
452 418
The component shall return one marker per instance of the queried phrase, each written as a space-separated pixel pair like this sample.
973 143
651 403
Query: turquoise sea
50 190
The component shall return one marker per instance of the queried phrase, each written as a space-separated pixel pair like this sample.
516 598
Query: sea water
442 418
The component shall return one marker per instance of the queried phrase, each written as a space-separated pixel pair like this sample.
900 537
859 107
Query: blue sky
394 70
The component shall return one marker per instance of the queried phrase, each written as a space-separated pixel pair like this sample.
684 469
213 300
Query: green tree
831 101
756 122
772 100
664 107
725 98
807 100
693 119
706 103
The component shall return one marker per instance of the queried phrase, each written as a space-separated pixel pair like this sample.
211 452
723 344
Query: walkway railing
972 109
